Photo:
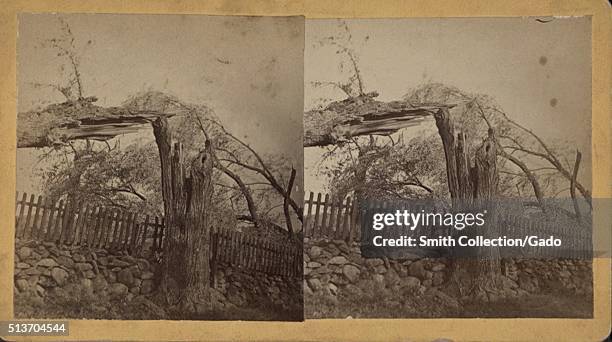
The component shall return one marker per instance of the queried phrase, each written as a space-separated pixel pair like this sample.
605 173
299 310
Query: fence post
28 216
315 223
305 228
322 228
19 219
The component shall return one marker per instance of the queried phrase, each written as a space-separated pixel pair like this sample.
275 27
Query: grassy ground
88 306
532 306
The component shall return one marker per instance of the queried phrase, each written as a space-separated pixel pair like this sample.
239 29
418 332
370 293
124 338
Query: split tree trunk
187 202
473 188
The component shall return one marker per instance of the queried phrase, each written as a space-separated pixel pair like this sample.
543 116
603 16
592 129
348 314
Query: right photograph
485 122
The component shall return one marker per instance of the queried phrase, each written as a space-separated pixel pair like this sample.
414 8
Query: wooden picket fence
83 224
247 251
114 229
327 219
324 218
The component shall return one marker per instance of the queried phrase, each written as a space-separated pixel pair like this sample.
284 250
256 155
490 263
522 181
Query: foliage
344 46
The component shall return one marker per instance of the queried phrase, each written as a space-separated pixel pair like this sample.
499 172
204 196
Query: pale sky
540 74
248 69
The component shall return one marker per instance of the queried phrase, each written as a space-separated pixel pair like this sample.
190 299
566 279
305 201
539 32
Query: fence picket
28 216
19 220
305 228
35 220
339 213
324 218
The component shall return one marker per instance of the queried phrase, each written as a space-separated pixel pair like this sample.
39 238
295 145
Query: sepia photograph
469 113
159 167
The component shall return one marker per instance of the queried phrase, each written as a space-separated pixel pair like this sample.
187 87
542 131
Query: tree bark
473 188
286 203
187 201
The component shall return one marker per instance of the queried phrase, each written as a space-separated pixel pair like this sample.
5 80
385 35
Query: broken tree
359 116
59 123
472 183
187 197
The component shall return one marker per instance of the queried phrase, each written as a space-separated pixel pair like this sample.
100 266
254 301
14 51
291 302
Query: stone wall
44 269
335 269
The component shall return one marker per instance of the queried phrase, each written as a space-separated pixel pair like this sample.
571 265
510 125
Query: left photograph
159 167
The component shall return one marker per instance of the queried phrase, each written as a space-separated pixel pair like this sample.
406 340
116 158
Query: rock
307 289
143 265
313 264
24 252
83 266
89 274
118 289
22 265
129 259
22 285
332 288
146 287
338 260
417 269
32 271
87 284
380 269
438 267
315 251
111 277
119 263
40 290
125 277
47 282
411 283
315 284
36 256
146 275
33 280
65 261
321 270
54 251
78 257
338 280
351 272
352 290
528 283
438 279
103 261
427 283
342 246
379 279
391 278
47 262
135 290
59 275
99 284
374 262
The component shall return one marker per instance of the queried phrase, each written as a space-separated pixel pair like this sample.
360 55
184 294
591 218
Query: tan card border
311 330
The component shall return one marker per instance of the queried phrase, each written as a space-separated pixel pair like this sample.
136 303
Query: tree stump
187 198
476 272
